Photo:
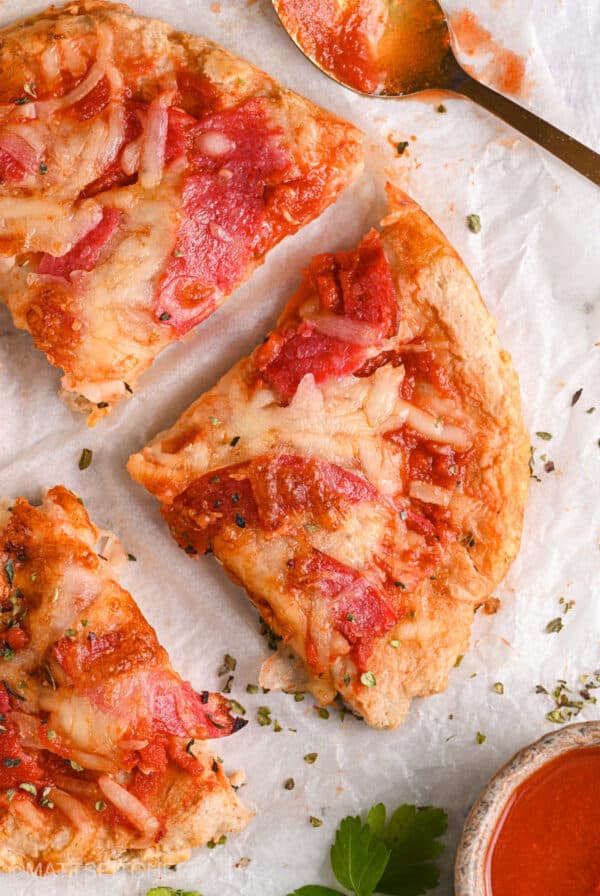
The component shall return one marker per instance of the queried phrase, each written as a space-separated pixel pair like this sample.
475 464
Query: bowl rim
469 867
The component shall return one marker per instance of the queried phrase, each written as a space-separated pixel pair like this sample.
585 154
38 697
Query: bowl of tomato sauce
534 828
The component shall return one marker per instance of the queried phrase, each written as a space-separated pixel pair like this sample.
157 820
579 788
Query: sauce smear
545 844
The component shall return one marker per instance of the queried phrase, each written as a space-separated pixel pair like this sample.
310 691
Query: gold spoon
418 54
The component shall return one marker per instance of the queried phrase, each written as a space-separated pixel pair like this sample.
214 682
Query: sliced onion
33 817
114 138
434 428
93 761
75 811
28 730
213 143
130 157
152 157
132 808
49 63
430 494
380 403
339 327
20 150
48 107
72 58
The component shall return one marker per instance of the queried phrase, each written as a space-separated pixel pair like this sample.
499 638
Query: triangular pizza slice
363 473
144 174
102 754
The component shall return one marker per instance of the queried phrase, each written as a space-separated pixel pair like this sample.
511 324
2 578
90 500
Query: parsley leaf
315 890
412 835
170 891
358 857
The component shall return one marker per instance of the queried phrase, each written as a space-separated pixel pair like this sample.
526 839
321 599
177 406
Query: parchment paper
537 262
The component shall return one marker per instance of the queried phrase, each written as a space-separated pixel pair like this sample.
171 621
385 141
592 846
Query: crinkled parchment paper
537 262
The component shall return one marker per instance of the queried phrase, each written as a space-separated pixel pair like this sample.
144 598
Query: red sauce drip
423 366
505 70
223 222
545 844
84 254
199 95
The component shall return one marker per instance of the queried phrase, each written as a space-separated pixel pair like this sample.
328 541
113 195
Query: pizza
102 745
362 474
144 174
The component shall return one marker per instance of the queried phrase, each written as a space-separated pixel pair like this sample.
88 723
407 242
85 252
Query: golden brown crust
440 306
81 163
86 676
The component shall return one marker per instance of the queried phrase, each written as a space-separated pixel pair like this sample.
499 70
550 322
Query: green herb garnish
86 458
474 223
9 571
400 147
396 858
368 679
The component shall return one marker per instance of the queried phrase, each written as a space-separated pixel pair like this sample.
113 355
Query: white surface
537 262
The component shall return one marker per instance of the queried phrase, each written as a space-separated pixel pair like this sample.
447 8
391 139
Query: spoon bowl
401 48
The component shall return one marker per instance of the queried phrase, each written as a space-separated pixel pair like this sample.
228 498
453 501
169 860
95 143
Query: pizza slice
102 754
363 473
144 174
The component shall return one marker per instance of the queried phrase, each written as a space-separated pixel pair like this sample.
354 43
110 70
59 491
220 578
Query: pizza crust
102 345
437 294
65 569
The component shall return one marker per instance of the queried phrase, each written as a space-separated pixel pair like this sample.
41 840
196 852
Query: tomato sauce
503 68
545 844
369 45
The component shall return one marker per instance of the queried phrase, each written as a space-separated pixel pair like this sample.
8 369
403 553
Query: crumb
238 778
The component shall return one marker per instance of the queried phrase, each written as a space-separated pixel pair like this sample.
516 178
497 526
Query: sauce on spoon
374 46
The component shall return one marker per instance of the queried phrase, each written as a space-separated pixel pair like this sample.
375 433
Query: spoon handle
575 154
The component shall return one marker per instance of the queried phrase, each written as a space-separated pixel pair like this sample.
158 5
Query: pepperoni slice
236 155
289 354
116 669
359 610
358 284
84 254
267 493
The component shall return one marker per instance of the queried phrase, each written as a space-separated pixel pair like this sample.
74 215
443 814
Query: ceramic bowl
469 871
